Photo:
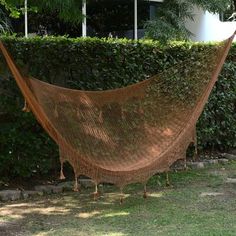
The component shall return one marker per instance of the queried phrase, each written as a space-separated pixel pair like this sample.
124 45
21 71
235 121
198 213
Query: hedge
98 64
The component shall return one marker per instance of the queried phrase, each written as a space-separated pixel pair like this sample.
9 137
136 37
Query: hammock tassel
195 156
121 196
141 111
26 107
100 118
56 112
62 176
76 186
122 114
167 180
96 193
145 191
185 163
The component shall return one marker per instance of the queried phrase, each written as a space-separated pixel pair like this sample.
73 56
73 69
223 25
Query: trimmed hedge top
92 63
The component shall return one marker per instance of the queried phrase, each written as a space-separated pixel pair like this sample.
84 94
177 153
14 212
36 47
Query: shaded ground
199 203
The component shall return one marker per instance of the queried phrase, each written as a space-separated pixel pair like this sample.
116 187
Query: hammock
126 135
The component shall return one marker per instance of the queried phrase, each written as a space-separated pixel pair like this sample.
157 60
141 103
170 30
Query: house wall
208 27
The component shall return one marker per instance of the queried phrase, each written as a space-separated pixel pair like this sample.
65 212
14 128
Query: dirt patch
10 229
164 211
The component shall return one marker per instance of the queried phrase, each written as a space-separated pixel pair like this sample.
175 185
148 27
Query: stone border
223 159
40 190
206 163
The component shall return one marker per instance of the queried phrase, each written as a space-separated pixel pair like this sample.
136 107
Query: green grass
185 208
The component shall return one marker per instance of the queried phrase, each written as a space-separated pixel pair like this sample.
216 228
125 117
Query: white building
208 27
205 27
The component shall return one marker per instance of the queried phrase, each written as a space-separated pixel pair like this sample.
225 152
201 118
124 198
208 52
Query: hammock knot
26 107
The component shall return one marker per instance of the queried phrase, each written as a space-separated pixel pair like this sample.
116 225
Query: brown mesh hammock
126 135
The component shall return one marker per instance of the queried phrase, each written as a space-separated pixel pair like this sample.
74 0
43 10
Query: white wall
208 27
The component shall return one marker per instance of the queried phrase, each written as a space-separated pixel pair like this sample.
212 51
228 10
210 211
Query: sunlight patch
158 195
18 212
41 234
117 234
114 197
231 180
86 215
115 214
211 194
52 210
18 205
11 214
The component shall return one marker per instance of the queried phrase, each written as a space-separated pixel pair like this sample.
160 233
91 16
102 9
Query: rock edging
40 190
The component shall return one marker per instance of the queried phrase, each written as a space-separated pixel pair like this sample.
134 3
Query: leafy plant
171 16
5 23
68 10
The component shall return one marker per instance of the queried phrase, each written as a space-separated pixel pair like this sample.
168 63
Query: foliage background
64 17
170 20
97 64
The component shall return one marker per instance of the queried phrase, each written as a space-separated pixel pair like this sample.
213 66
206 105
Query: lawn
198 203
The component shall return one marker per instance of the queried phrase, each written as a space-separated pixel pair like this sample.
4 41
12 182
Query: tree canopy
170 19
68 10
169 22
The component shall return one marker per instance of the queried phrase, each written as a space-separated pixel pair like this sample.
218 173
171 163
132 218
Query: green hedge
98 64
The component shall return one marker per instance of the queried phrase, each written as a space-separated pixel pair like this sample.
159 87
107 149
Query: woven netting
126 135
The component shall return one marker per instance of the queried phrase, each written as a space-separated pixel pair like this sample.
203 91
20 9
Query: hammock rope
125 135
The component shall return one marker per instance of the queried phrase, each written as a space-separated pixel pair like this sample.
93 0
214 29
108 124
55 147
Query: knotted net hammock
126 135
